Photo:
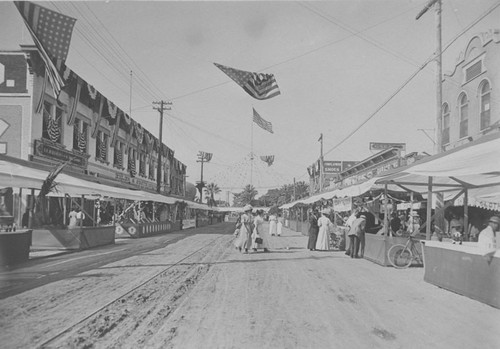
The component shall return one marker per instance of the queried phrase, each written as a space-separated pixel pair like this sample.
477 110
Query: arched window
485 91
446 124
463 110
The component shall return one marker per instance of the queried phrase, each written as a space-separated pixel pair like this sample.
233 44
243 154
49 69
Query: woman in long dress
324 224
259 231
243 241
273 225
313 230
280 224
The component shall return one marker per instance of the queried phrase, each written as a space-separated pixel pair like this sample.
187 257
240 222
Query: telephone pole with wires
162 106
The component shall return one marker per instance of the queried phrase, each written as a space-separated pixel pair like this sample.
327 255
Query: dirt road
202 293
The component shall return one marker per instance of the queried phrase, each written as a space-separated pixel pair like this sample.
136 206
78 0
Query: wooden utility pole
439 215
162 107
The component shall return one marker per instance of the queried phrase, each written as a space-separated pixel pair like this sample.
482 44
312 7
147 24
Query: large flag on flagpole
259 86
266 125
51 31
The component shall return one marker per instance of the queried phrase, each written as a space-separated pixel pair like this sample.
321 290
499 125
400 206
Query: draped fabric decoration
112 109
139 131
149 142
114 130
41 99
309 171
74 91
269 159
151 168
131 164
82 141
92 91
318 166
118 157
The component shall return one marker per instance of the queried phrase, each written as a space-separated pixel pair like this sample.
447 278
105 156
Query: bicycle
402 256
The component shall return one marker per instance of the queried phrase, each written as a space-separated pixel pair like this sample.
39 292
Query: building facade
471 94
82 127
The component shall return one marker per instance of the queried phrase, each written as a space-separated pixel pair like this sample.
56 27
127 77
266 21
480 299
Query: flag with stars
266 125
51 31
259 86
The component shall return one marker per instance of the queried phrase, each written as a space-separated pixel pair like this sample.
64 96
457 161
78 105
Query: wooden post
466 213
386 218
429 210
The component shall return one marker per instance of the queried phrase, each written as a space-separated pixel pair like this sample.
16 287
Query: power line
412 76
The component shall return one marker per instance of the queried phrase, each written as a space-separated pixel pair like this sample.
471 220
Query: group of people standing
319 230
250 231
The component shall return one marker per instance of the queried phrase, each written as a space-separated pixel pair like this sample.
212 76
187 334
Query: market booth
471 171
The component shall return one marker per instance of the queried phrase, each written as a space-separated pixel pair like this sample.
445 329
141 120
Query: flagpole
251 155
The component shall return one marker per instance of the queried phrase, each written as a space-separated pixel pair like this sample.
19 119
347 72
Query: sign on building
383 146
332 166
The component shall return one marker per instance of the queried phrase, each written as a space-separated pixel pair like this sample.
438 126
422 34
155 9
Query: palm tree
246 196
212 189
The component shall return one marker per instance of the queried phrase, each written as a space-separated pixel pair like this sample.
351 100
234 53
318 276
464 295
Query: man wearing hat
356 235
488 240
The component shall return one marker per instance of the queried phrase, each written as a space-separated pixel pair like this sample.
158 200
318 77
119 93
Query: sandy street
200 292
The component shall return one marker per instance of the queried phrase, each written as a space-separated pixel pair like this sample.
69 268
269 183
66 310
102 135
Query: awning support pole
466 213
429 210
386 211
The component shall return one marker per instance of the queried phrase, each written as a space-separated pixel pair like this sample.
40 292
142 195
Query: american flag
266 125
259 86
51 31
269 159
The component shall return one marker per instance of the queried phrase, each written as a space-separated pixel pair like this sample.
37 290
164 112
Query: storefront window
485 105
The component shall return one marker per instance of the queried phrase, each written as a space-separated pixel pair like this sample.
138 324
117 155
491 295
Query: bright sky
335 62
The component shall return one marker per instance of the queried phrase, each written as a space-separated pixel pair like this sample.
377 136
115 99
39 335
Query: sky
336 63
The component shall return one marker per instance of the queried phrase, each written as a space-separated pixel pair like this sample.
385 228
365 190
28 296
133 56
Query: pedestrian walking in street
280 224
73 221
356 234
273 225
325 226
489 239
243 242
260 238
313 230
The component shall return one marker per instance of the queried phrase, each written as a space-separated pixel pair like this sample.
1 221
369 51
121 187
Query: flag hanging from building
266 125
51 31
269 159
206 157
259 86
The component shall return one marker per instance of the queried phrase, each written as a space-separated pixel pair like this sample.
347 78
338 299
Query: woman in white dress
243 240
324 224
280 224
273 225
259 231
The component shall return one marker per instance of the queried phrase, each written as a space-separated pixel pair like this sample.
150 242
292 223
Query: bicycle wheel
400 256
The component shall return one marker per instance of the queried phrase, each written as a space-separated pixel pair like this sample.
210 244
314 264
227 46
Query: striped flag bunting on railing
259 86
131 165
269 159
53 45
118 157
103 148
82 141
266 125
